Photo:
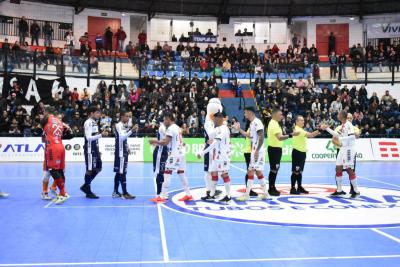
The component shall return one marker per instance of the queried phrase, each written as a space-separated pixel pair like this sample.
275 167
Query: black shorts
298 160
274 156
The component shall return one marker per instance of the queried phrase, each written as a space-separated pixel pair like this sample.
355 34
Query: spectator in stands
246 33
35 33
94 64
174 39
70 42
130 50
75 95
142 37
342 64
108 37
120 36
23 29
196 32
226 66
239 33
218 72
16 54
331 43
333 65
209 33
48 34
99 45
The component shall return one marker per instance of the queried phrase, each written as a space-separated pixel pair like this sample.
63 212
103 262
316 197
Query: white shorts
219 166
175 163
346 157
259 164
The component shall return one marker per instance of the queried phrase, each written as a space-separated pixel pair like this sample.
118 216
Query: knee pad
168 172
181 171
339 173
250 177
214 178
226 178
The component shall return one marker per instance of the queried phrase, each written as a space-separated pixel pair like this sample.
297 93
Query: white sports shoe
45 196
61 199
263 196
243 198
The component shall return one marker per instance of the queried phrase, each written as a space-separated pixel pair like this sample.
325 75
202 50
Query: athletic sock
339 180
353 181
261 179
167 181
299 179
94 174
159 182
45 186
227 184
271 179
61 186
207 180
250 183
88 179
116 182
123 183
185 183
293 179
214 182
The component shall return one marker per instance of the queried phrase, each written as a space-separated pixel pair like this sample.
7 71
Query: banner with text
31 91
383 30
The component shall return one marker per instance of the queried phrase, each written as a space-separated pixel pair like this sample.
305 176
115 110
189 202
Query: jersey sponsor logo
376 207
388 149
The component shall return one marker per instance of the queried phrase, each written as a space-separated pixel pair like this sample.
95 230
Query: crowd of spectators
187 99
374 116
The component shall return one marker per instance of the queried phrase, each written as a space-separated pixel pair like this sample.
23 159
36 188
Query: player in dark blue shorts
122 132
160 155
91 150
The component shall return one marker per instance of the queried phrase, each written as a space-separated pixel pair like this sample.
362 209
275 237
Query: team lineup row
169 154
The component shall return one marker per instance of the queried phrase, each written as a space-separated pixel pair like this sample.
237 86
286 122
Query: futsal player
247 156
160 155
55 151
91 149
46 178
257 157
275 137
345 158
357 133
122 132
299 154
221 147
176 158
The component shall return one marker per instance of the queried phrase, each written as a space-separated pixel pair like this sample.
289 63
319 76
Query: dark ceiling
220 8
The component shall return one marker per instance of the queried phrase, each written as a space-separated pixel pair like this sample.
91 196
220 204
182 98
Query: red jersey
53 130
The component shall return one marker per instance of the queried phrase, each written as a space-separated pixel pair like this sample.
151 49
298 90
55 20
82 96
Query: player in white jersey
257 158
176 158
221 147
345 159
213 106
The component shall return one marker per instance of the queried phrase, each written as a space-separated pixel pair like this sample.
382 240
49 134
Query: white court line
162 229
386 235
377 181
238 168
48 204
84 207
204 261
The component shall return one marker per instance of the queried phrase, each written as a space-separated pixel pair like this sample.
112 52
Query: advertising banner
31 149
383 30
386 149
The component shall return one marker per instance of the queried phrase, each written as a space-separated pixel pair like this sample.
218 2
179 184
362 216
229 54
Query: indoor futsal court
284 231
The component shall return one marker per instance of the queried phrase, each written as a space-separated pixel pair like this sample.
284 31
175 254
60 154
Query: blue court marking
113 232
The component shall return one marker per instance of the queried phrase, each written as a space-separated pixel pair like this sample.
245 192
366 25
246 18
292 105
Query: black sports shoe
91 195
208 198
253 194
85 189
225 199
293 191
274 192
128 196
337 193
355 195
301 190
217 193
